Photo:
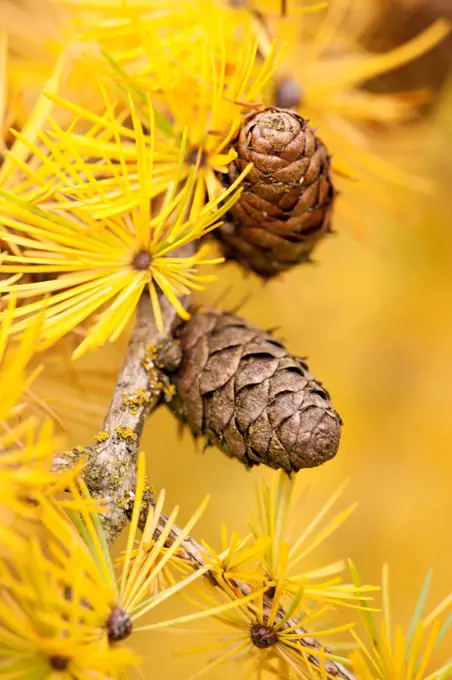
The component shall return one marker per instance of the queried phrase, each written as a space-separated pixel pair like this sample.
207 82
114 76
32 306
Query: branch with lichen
110 471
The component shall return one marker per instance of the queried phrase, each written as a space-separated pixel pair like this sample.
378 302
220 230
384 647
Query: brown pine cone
286 204
242 390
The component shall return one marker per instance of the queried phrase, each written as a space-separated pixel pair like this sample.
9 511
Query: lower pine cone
240 388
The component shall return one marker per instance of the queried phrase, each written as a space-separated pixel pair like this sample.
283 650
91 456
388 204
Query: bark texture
110 473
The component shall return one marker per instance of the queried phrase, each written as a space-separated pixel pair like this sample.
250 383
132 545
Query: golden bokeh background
373 315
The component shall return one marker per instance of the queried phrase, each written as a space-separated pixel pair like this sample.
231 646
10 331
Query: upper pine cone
244 392
286 204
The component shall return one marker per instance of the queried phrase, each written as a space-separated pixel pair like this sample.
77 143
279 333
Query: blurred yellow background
374 317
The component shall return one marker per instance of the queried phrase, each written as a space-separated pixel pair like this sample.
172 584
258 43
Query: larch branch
110 473
192 552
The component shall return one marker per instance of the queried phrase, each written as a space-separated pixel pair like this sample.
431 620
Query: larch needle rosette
270 631
103 266
204 82
263 636
200 83
68 610
292 542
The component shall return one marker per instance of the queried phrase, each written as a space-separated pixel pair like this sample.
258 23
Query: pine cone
242 390
286 204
